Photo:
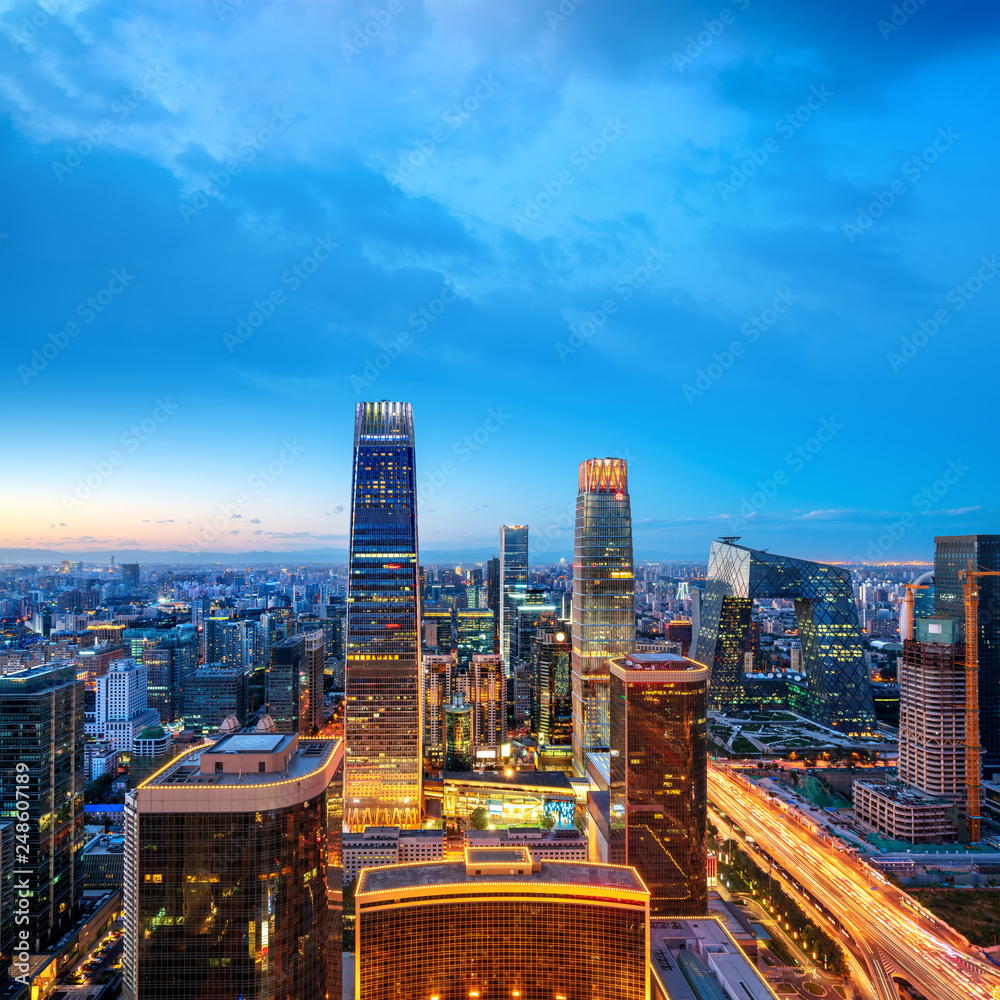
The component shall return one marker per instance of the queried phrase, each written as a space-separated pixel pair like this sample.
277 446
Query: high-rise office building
383 762
161 682
839 693
438 623
214 693
603 596
531 611
474 633
130 576
42 774
286 686
659 778
932 710
513 580
233 880
122 710
436 684
497 925
951 556
458 734
489 700
552 689
493 597
312 716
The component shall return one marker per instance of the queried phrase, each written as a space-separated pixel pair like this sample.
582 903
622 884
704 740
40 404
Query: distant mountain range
297 558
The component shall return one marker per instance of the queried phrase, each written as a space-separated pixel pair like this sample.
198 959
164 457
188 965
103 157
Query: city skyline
798 181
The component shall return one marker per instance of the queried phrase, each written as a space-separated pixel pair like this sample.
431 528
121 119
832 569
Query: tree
547 821
479 818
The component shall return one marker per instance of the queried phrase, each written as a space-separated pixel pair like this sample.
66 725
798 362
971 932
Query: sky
749 248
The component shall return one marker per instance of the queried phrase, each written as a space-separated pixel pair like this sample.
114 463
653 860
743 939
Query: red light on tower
619 496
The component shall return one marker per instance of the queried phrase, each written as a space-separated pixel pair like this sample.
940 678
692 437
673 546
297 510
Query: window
260 767
218 767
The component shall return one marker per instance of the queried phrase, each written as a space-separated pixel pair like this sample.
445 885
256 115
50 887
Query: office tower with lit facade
493 597
285 684
312 716
531 611
496 925
474 633
489 700
458 729
513 581
233 883
952 554
659 778
42 775
552 704
383 762
603 597
839 693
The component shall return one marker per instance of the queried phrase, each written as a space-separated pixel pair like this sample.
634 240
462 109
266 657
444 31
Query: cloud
254 520
235 515
168 522
957 511
234 532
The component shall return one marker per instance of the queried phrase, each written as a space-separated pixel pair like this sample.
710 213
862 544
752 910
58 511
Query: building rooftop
903 794
696 959
549 780
105 843
456 873
310 756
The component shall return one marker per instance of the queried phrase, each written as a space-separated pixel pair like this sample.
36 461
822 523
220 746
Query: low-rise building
903 813
389 845
691 959
543 845
104 862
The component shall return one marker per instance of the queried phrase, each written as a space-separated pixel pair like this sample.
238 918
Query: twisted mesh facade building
603 597
839 693
383 768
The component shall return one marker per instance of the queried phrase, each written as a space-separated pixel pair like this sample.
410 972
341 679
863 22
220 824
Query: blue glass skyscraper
383 763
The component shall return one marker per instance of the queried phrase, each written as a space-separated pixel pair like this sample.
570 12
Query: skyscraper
130 576
233 873
383 768
603 596
474 628
312 716
659 777
839 693
493 597
489 700
552 711
436 695
951 555
42 777
286 688
513 580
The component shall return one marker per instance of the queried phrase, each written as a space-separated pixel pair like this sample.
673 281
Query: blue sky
700 236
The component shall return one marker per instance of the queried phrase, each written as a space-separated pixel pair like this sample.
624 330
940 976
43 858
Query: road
887 935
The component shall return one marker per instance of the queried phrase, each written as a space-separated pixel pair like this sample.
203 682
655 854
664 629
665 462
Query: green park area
972 912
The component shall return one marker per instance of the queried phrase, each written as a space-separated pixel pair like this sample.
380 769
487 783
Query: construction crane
970 585
906 618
